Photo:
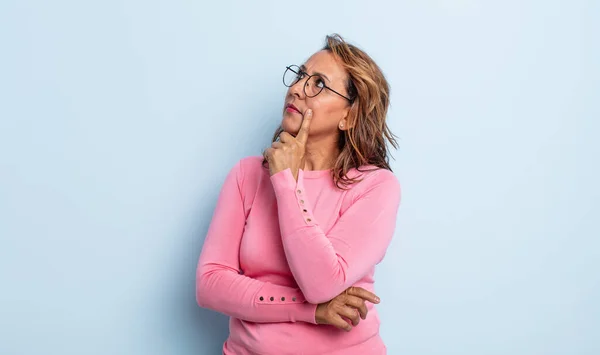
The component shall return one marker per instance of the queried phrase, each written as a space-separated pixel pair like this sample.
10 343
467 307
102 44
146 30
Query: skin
309 142
323 116
351 305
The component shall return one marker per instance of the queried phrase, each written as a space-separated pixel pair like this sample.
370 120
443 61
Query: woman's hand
349 304
289 151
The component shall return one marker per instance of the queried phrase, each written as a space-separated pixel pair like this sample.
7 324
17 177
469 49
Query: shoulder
373 178
370 174
251 165
249 171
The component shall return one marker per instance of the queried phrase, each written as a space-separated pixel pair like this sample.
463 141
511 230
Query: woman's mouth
291 108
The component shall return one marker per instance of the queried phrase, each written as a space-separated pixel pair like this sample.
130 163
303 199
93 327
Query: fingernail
309 112
377 299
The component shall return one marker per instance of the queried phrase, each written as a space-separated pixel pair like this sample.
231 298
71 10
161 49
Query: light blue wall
120 119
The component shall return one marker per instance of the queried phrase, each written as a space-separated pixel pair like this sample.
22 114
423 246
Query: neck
320 155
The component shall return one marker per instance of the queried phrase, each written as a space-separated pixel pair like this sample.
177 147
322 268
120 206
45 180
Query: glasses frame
296 69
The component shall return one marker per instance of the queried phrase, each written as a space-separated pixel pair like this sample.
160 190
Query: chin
290 124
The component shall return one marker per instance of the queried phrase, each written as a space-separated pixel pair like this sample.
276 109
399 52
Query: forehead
325 63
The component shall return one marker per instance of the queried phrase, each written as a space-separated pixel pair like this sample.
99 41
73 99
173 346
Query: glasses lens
291 75
314 86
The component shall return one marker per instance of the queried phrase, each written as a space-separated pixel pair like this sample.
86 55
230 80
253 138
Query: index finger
364 294
303 132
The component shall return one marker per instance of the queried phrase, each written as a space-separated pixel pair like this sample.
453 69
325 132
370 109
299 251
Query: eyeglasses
314 84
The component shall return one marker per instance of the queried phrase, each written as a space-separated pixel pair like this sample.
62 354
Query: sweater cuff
295 210
306 313
275 295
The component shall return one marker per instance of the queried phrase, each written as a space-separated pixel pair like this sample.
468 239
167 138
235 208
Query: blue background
120 119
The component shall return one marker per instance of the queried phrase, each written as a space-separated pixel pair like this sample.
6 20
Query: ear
343 124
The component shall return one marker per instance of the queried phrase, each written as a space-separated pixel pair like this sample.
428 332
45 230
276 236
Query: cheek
325 114
323 111
315 105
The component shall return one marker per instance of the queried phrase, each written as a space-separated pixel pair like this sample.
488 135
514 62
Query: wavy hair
365 141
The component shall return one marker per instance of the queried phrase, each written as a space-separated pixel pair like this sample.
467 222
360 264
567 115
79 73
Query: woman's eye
319 82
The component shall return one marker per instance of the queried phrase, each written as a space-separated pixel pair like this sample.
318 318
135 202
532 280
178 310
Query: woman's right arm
219 284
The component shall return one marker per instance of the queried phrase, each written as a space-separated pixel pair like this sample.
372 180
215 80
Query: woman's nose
298 88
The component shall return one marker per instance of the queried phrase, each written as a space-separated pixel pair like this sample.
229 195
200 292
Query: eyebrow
303 68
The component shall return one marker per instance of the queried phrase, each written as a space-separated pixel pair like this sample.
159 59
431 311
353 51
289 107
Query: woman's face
329 109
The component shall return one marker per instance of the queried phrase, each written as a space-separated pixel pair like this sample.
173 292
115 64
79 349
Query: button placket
301 199
278 299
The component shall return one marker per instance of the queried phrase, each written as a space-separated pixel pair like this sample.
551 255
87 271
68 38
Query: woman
291 250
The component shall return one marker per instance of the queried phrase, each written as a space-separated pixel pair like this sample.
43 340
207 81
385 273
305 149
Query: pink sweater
276 248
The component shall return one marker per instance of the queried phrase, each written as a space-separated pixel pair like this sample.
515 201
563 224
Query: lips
291 107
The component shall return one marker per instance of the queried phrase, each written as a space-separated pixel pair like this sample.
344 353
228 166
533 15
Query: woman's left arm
325 265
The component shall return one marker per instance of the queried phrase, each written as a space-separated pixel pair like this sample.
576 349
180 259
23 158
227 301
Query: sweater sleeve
324 265
220 286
